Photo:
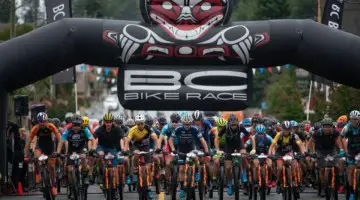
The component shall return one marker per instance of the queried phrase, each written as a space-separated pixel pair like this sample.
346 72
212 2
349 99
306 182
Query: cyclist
130 123
108 137
263 142
324 142
77 138
248 126
234 143
270 129
187 135
68 120
44 131
57 123
165 135
284 143
119 121
142 135
351 132
160 125
85 124
219 143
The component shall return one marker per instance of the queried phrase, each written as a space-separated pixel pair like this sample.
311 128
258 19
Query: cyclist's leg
269 166
216 167
100 162
255 165
168 164
279 166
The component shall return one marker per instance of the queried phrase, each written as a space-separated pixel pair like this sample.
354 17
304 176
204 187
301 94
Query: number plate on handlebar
43 157
287 158
357 157
236 154
109 156
75 156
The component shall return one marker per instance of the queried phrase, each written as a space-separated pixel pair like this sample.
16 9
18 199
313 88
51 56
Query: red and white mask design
187 19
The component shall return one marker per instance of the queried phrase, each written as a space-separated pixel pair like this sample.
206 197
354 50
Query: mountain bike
46 184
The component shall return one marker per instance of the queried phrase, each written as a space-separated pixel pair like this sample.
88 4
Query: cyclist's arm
299 144
217 141
90 137
339 143
129 138
253 144
204 144
32 134
171 141
54 130
311 145
63 139
156 141
273 144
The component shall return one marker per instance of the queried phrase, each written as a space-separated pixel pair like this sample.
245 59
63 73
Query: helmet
286 125
186 119
197 115
246 122
221 122
108 117
42 117
175 117
233 119
50 120
162 120
260 128
256 120
56 122
293 123
119 119
77 119
68 117
327 121
355 114
140 118
149 121
86 121
342 118
268 124
63 124
317 125
302 126
130 122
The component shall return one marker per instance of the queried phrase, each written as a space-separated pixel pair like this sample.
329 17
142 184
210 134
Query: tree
5 11
344 99
272 9
284 101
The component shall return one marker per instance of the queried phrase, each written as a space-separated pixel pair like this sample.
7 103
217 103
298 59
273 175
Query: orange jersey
40 130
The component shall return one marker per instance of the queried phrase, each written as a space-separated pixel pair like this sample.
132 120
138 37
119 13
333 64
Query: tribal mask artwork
186 19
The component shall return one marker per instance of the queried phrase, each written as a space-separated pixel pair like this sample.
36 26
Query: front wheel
109 185
236 173
75 184
121 181
221 182
202 182
174 182
190 192
357 189
263 186
143 185
46 185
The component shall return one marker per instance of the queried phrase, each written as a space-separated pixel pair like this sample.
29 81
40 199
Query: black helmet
149 121
119 119
197 116
317 126
233 119
56 122
175 117
77 119
327 121
301 126
162 120
68 117
256 120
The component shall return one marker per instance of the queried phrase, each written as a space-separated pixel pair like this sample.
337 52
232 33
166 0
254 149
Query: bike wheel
109 189
357 189
46 185
263 187
58 178
142 184
75 184
236 173
121 182
250 189
221 181
174 182
328 189
31 175
189 188
286 194
202 183
319 189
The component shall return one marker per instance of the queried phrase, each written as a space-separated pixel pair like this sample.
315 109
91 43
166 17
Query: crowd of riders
219 139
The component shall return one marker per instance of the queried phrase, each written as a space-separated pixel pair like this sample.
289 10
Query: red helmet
307 127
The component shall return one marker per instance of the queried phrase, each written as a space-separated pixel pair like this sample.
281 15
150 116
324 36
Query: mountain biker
78 138
219 143
68 120
85 124
351 132
263 142
130 123
142 135
234 143
187 135
44 131
119 121
324 142
108 137
284 143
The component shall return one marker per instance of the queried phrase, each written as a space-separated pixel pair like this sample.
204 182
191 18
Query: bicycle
159 176
263 177
45 178
59 168
331 178
356 178
144 176
221 176
236 172
79 185
110 178
121 175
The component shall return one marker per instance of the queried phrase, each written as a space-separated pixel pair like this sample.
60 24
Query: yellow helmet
108 117
221 122
85 121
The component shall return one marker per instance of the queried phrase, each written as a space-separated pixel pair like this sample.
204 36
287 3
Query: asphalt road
308 194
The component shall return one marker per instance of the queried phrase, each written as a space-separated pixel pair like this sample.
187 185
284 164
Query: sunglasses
76 124
187 124
174 122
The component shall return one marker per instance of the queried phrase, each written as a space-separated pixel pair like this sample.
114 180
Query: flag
262 70
254 71
98 70
115 72
106 70
279 68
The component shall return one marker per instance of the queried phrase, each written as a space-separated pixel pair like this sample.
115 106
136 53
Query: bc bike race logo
187 22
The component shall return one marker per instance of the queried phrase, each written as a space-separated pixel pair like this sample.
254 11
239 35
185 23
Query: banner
333 13
56 10
144 87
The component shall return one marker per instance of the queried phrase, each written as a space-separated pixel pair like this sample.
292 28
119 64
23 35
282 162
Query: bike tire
346 185
357 189
143 190
328 189
201 186
75 184
236 177
189 188
174 182
263 188
46 185
58 178
250 189
121 183
319 189
221 182
109 191
255 192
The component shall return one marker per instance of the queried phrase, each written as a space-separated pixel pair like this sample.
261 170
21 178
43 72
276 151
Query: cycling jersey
110 139
353 135
206 130
325 143
286 144
77 141
214 131
232 138
168 130
44 134
188 139
141 138
262 142
157 131
302 135
66 127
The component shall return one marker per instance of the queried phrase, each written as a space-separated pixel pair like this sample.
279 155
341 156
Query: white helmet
140 118
186 119
355 114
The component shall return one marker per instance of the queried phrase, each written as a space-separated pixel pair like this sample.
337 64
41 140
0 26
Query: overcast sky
21 11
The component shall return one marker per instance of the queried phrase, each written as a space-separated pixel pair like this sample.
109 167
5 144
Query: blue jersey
262 142
188 139
205 129
77 141
167 130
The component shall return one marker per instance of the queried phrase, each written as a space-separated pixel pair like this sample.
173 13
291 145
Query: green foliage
20 30
5 11
320 106
101 9
284 101
272 9
344 99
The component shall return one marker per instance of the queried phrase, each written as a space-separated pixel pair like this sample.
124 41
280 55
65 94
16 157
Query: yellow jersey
135 134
